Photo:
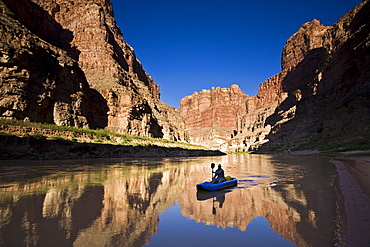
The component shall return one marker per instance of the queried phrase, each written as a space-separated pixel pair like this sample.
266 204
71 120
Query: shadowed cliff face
322 92
122 97
39 82
331 88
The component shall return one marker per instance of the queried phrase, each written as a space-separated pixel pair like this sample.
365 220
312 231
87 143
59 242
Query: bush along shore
26 140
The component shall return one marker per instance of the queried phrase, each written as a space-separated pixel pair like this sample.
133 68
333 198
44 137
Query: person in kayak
219 176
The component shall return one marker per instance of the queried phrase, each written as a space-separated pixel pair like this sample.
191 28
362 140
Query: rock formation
39 82
106 84
322 93
211 116
329 89
66 62
306 39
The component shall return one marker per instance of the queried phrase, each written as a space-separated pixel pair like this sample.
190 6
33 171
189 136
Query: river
279 201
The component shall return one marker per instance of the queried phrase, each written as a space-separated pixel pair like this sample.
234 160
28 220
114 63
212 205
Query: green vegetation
86 135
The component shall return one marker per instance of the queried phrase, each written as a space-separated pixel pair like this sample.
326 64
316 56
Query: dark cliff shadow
119 54
299 84
50 90
42 24
97 114
302 76
139 111
50 80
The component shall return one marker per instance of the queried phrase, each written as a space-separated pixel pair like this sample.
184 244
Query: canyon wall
321 94
66 62
39 82
329 90
211 116
107 85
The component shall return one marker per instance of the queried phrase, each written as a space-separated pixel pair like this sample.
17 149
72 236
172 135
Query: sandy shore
354 182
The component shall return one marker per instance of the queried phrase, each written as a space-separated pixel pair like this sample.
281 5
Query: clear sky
190 45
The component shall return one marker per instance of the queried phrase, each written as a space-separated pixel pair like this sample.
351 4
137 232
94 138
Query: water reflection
119 202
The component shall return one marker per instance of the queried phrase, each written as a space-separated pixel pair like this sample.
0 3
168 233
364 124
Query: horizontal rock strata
211 116
77 46
321 94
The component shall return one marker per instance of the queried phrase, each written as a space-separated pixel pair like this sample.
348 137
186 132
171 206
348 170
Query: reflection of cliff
121 210
132 205
241 206
119 205
285 205
48 211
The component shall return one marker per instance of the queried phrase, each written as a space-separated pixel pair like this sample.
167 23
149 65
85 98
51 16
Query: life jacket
220 173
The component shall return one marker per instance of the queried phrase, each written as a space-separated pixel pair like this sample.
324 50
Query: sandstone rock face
323 91
121 95
307 38
39 82
211 116
332 96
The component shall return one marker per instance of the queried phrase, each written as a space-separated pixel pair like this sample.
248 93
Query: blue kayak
219 186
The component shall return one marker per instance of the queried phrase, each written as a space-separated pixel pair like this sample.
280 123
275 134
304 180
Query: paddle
212 166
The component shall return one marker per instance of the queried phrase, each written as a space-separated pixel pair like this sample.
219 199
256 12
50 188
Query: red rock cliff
323 90
123 97
211 116
38 81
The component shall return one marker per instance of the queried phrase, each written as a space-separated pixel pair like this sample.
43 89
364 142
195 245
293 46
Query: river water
279 201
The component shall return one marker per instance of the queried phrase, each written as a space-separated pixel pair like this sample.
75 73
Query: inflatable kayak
219 186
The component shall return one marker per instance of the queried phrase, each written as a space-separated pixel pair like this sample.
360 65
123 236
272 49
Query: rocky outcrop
119 94
330 90
39 82
306 39
253 123
211 116
322 92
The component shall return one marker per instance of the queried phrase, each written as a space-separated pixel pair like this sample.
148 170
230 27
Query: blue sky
190 45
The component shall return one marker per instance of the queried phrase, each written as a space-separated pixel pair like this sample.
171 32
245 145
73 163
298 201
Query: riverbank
31 148
354 184
25 140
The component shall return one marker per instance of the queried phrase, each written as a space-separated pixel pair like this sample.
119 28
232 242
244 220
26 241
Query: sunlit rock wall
212 116
122 96
38 81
